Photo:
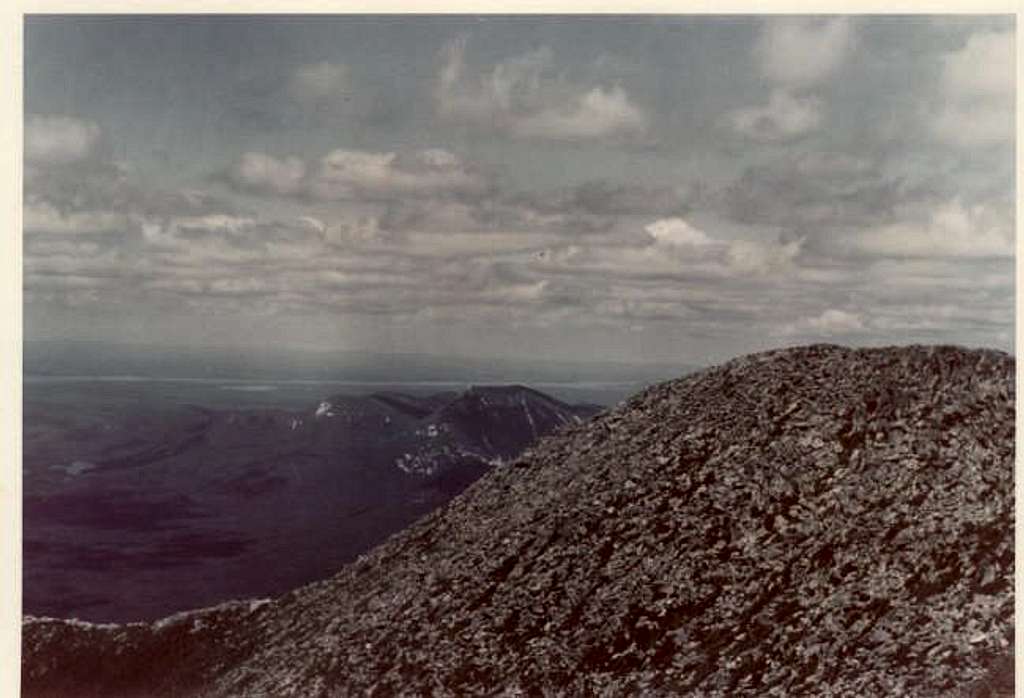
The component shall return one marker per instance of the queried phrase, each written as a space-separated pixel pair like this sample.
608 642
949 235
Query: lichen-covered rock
811 521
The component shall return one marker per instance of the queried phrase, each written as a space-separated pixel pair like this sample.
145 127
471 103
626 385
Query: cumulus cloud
262 172
676 231
353 174
346 174
785 117
799 52
512 86
834 321
522 97
977 92
223 244
797 55
984 67
950 230
59 140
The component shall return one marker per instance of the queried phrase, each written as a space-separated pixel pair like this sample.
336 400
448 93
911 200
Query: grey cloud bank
681 189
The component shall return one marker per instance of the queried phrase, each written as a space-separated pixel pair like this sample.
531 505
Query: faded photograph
518 355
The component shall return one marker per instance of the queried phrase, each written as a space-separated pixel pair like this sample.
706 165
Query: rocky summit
805 522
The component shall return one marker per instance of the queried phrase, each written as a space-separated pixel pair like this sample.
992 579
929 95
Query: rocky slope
813 521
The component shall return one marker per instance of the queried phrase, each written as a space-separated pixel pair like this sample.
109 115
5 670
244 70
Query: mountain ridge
218 491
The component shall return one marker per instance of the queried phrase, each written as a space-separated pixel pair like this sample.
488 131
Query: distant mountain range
171 508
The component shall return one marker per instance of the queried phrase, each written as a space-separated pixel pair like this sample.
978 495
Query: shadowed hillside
135 516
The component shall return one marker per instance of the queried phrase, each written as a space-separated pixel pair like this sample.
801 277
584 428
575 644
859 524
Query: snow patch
529 416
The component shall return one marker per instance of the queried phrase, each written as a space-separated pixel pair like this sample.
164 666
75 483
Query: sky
616 188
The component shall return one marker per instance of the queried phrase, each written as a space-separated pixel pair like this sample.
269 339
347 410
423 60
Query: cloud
522 97
834 321
677 232
977 93
797 55
785 117
212 224
45 218
759 257
813 193
458 245
674 248
348 232
62 247
925 278
597 114
360 174
974 125
230 238
512 86
989 318
265 173
322 94
825 195
950 230
59 140
605 198
592 207
443 216
830 323
492 215
99 184
344 174
800 53
984 67
619 309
